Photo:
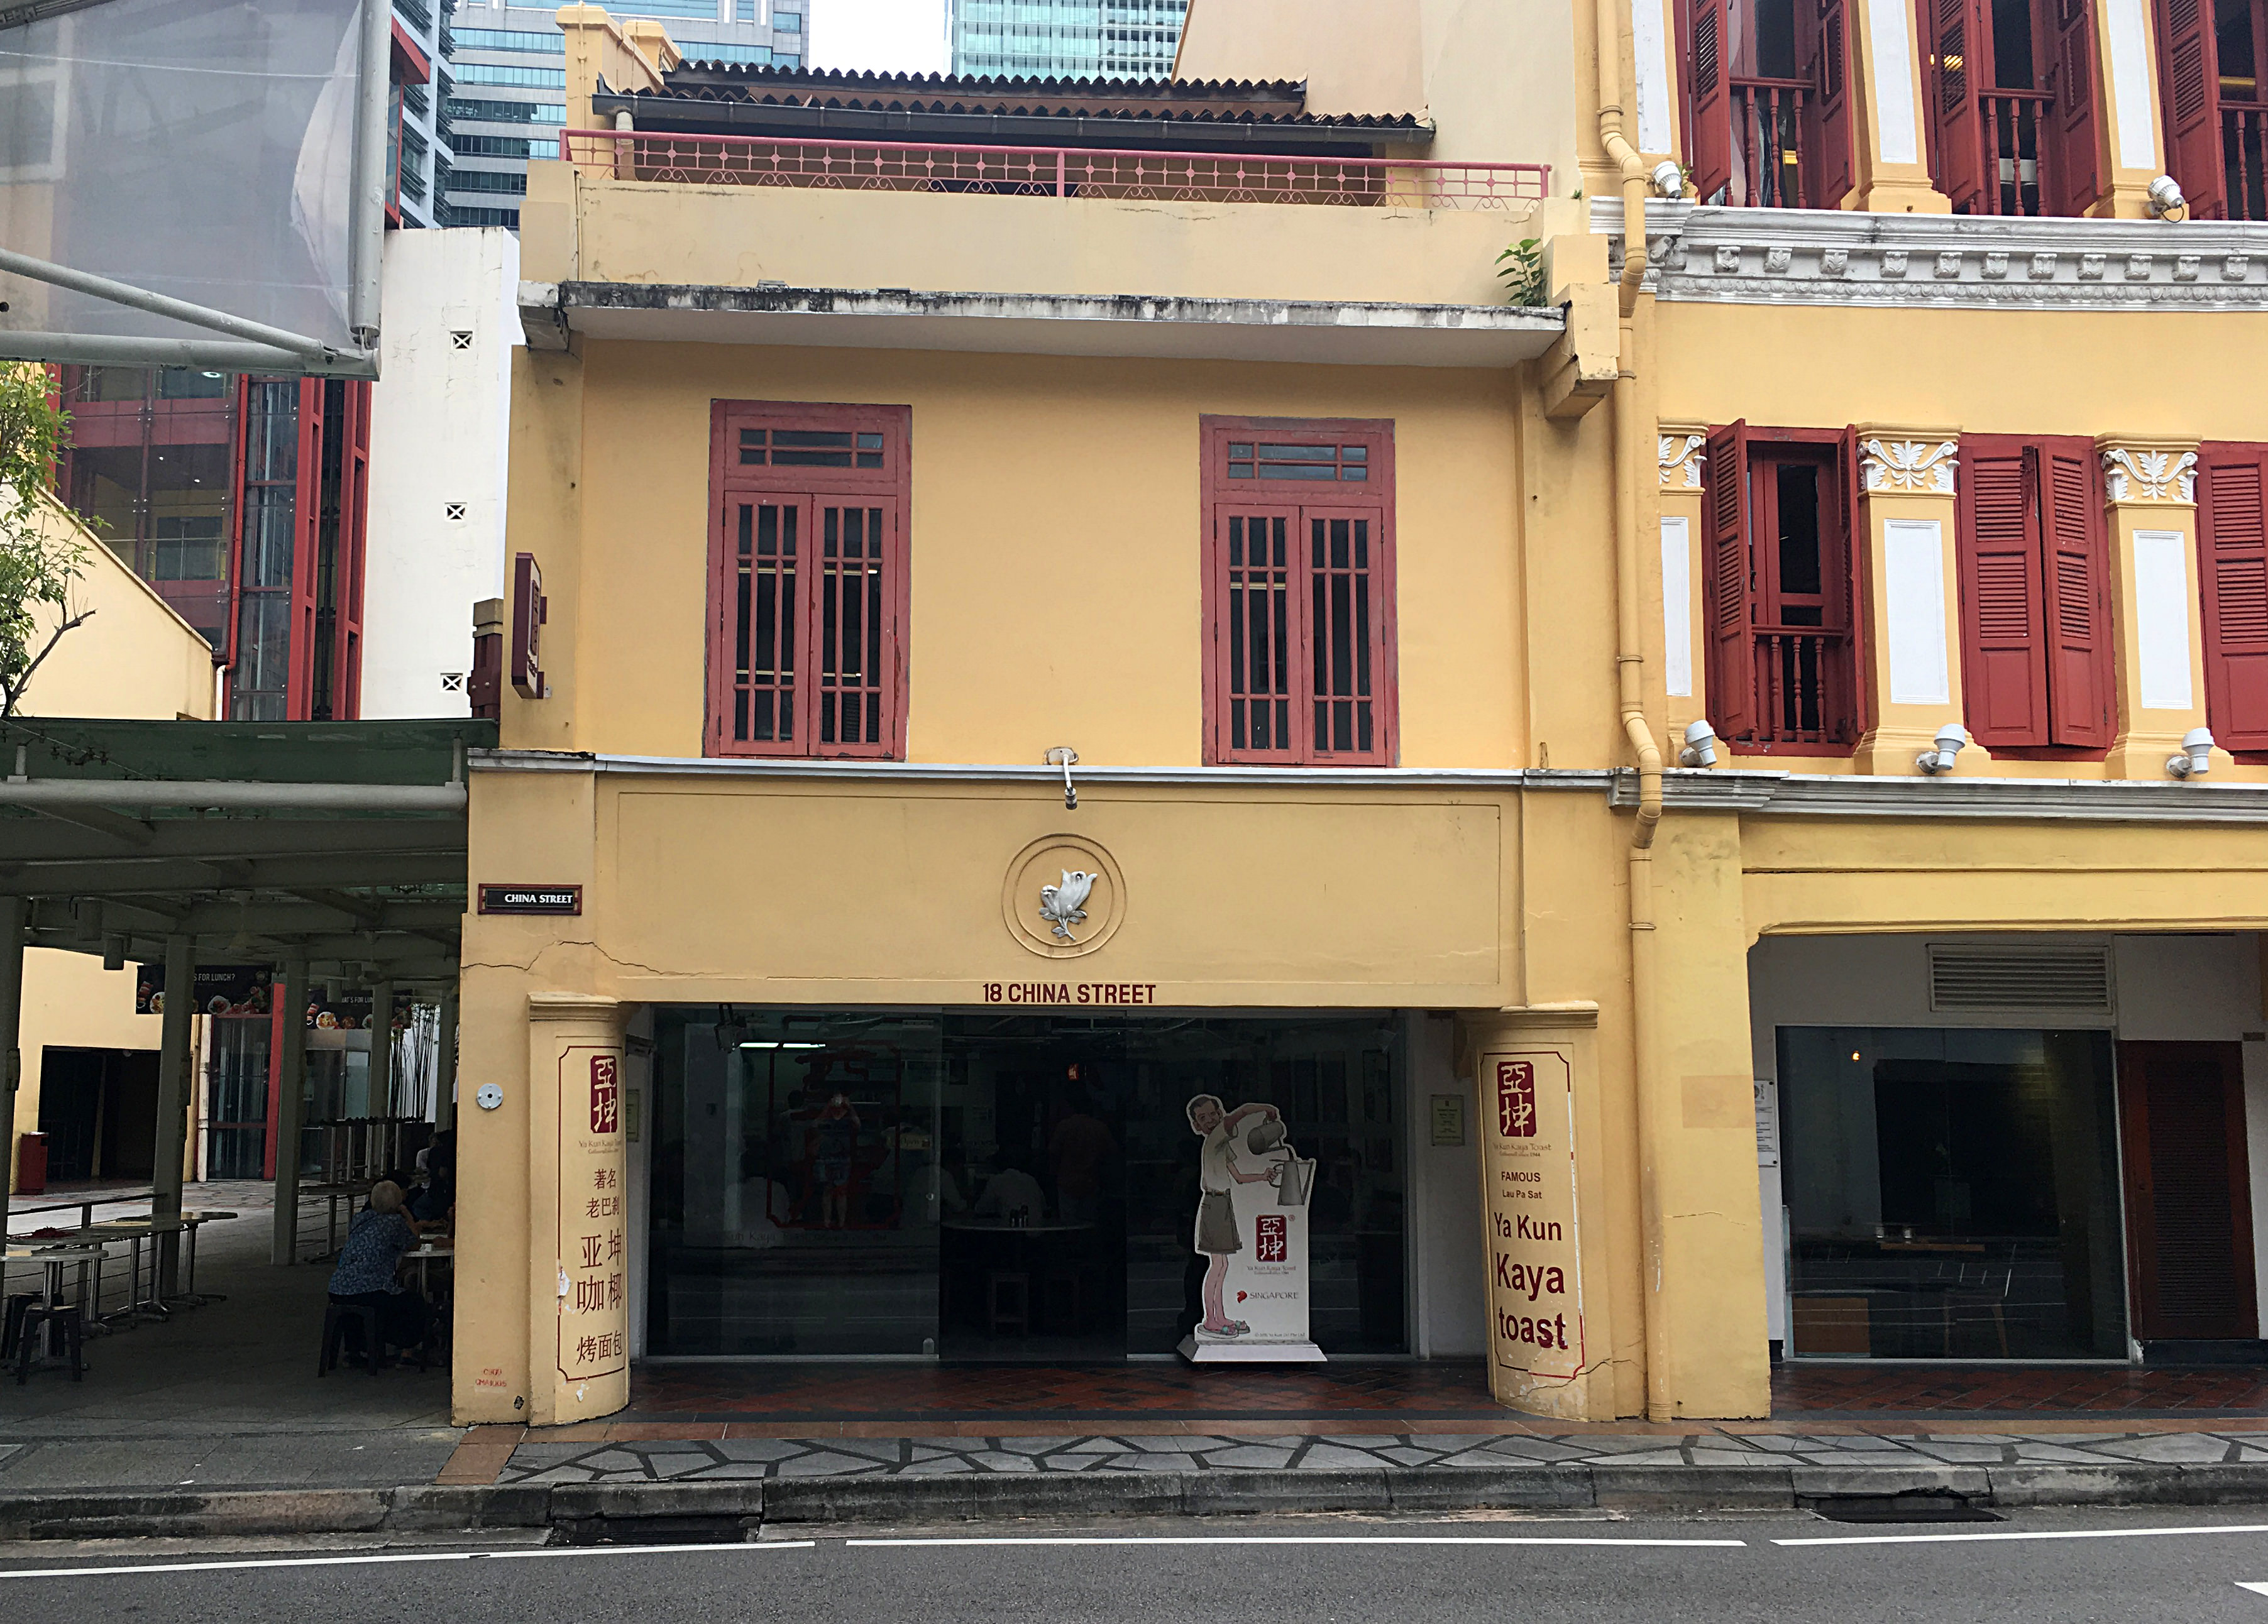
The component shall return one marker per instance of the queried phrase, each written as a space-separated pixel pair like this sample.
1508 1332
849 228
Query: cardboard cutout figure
1251 1229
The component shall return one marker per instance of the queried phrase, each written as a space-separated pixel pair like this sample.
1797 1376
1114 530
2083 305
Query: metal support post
174 1059
290 1105
445 1067
13 915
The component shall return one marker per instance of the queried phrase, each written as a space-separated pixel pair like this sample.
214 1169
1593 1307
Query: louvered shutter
2188 67
1730 610
1711 157
2233 575
1965 64
2076 171
2002 646
1829 167
2081 678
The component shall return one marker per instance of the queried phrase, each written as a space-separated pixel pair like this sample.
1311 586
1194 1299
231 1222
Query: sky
883 36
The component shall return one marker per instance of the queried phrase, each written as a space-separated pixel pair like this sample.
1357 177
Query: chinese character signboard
593 1268
1535 1301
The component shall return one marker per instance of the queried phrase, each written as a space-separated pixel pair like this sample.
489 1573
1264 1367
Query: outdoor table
134 1231
334 1193
423 1255
195 1221
55 1257
87 1203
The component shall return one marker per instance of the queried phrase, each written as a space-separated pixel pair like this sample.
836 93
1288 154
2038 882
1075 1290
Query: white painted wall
1446 1281
2164 988
438 416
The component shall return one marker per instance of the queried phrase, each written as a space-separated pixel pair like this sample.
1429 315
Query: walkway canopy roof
342 842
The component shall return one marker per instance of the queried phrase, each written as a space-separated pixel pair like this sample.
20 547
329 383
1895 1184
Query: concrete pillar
2157 631
13 911
444 1065
290 1106
175 1051
1904 547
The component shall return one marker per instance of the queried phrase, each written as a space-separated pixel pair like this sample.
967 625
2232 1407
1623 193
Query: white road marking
2064 1533
416 1556
1298 1539
2257 1586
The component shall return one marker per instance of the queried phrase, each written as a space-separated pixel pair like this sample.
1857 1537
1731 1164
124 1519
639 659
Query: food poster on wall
1251 1228
1535 1302
221 989
348 1011
593 1296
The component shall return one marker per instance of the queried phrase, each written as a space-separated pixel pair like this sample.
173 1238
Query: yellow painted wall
135 658
1056 583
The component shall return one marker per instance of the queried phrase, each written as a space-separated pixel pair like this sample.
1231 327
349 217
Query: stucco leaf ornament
1064 906
1909 464
2156 474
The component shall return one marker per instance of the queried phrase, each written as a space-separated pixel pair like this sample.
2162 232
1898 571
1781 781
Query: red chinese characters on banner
606 1093
1515 1100
1272 1239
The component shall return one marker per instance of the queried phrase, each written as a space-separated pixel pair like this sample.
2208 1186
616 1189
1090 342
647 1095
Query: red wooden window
808 595
1781 604
2035 608
2233 578
2210 58
1300 591
2016 122
1768 90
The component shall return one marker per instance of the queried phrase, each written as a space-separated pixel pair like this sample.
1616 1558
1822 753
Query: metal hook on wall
1066 758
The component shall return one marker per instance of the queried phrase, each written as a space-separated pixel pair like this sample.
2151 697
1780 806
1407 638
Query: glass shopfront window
1951 1194
981 1186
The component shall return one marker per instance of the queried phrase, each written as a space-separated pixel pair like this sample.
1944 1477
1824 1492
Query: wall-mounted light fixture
1952 738
2195 759
1700 747
1668 180
1066 758
2166 201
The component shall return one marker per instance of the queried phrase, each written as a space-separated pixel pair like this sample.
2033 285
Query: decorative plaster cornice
1908 465
1681 458
2134 473
1816 256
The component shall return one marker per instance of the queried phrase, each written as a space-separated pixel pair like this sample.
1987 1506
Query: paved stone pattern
680 1460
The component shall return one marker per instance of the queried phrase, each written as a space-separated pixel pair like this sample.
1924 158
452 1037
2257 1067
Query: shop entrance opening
987 1186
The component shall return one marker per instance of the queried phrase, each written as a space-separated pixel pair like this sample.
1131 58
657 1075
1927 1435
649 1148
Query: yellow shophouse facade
1037 605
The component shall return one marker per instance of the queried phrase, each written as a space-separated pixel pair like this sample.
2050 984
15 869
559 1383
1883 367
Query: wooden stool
40 1319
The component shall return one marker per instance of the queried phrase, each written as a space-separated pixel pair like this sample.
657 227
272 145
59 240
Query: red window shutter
2233 574
2081 678
852 582
1346 626
1259 651
2002 641
2077 169
1730 605
2189 80
1711 157
1963 52
1828 163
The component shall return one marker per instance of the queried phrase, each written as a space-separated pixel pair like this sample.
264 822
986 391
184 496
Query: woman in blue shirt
365 1274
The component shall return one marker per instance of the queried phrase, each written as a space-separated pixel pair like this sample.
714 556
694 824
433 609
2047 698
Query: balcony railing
2244 154
1058 172
1803 687
2012 125
1768 141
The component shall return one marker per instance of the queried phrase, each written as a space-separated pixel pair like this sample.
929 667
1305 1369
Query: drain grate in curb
1912 1506
620 1531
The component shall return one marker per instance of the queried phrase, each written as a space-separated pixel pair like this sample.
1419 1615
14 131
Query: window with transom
808 560
1300 591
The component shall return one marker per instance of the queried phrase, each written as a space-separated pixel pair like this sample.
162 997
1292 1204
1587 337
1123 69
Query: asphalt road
2071 1568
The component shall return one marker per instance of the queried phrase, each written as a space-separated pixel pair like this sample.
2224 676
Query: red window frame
2038 677
1779 686
2231 540
1335 537
1977 122
823 513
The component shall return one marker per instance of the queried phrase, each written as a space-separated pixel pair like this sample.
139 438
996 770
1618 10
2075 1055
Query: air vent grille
2077 979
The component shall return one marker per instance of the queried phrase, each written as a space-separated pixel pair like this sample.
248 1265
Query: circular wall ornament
1064 897
488 1096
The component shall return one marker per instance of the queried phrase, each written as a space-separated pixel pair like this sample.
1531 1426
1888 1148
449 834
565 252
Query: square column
1684 638
1909 596
578 1250
2126 99
2157 635
1893 153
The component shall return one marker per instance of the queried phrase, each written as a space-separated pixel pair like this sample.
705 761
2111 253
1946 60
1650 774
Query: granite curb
660 1512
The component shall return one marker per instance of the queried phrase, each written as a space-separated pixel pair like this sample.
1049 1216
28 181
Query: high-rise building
1065 39
421 76
510 68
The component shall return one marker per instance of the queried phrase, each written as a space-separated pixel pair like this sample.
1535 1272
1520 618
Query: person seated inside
434 1204
368 1265
1013 1194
